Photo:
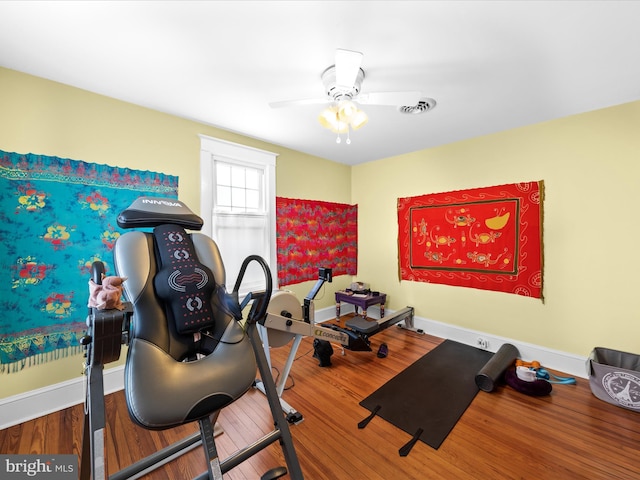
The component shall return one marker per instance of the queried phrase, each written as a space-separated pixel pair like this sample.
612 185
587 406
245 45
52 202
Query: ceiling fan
343 84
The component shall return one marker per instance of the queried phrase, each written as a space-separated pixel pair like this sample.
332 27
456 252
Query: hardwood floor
502 435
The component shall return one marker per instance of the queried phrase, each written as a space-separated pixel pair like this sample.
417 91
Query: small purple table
360 300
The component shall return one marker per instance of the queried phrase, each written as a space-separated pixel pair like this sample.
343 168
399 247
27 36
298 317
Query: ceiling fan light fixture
342 117
346 110
359 119
342 84
340 127
329 119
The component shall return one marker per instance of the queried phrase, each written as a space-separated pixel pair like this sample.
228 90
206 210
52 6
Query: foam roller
495 368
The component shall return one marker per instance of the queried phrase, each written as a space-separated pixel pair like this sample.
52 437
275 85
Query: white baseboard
36 403
568 363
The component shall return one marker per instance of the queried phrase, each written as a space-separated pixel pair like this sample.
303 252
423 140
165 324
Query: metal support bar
405 314
293 416
288 364
324 275
244 454
209 444
281 424
94 465
159 458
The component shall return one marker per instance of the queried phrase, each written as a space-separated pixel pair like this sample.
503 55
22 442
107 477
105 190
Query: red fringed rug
487 238
313 234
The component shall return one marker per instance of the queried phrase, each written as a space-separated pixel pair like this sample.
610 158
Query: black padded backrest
135 258
185 285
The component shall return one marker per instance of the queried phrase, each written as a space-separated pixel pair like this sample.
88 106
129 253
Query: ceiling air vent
423 106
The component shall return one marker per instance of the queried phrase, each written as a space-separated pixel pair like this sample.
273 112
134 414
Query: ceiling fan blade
347 66
397 99
298 103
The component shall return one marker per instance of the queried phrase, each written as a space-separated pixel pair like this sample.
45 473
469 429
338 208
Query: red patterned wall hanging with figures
486 238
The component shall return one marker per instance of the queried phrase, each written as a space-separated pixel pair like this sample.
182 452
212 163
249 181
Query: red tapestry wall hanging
487 238
313 234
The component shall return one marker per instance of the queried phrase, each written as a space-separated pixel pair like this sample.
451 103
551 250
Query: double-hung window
238 207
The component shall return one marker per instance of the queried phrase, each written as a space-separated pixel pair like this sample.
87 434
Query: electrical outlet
483 343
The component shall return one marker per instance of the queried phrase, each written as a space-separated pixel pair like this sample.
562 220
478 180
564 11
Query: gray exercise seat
165 382
189 356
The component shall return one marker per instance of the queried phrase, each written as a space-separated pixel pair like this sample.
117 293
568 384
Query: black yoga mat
433 393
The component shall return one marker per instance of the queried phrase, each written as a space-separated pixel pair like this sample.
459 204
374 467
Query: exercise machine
189 355
289 320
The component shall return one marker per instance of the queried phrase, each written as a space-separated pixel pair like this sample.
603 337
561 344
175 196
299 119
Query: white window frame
213 148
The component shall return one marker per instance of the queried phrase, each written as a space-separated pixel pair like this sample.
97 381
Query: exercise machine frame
108 330
352 337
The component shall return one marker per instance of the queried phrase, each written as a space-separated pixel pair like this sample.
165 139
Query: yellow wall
591 170
44 117
588 162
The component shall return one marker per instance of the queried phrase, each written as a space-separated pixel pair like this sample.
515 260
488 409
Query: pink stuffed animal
108 295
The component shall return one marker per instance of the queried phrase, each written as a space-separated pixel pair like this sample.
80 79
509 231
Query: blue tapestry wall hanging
57 216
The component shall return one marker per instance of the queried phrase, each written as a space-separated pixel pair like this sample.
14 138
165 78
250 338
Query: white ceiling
490 66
